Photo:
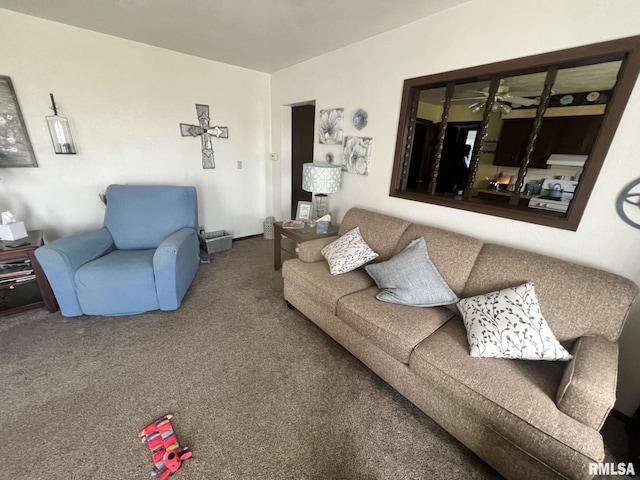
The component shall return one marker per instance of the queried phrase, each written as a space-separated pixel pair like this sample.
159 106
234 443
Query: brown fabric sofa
532 419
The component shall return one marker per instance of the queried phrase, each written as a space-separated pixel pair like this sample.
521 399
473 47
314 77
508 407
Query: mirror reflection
520 140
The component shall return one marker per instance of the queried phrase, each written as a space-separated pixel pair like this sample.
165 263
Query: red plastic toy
165 449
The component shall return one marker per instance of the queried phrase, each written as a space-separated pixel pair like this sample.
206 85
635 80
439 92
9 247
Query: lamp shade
321 177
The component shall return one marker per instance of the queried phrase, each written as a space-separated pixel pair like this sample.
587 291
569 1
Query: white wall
125 101
369 75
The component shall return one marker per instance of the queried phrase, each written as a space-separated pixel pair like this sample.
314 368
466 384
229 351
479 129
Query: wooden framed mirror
523 139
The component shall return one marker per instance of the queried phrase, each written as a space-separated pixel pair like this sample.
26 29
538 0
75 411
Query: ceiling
263 35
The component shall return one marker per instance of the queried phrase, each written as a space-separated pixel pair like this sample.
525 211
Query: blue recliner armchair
144 258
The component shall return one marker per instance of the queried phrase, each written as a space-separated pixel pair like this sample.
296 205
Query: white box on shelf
12 231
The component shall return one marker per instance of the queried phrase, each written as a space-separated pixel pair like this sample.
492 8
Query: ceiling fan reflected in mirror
498 104
505 101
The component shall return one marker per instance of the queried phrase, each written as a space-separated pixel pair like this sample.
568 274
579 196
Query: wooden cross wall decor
206 132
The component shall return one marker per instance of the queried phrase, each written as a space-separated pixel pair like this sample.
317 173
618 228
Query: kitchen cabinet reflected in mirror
570 125
522 141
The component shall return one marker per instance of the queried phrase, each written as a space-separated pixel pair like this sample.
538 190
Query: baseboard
248 237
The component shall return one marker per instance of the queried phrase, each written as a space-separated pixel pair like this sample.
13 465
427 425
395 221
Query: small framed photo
304 211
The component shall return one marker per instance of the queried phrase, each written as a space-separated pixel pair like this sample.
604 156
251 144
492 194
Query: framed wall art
357 155
331 126
15 147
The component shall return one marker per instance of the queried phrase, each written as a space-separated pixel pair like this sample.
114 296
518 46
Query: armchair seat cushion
121 282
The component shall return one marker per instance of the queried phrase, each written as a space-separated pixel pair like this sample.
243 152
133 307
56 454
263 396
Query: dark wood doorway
302 133
422 155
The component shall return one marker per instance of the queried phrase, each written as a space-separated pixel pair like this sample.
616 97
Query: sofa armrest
61 258
175 264
587 391
309 252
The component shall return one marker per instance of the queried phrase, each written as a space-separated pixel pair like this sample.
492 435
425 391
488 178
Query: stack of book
16 272
293 224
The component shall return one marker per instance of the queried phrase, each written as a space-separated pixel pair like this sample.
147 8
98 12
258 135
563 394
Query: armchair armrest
61 258
175 264
309 252
587 391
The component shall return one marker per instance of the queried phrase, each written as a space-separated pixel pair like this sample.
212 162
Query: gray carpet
257 390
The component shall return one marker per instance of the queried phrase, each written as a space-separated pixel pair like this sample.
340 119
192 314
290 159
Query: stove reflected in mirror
481 139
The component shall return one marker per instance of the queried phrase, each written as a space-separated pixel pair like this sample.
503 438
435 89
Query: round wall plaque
627 197
360 119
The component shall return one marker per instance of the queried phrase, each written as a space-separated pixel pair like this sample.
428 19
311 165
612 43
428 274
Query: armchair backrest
142 216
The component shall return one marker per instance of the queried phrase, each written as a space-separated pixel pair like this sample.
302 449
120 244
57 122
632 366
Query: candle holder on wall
60 132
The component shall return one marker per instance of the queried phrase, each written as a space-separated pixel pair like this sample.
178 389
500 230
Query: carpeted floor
257 390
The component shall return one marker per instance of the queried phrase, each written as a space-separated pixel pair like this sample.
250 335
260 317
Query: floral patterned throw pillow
509 324
348 252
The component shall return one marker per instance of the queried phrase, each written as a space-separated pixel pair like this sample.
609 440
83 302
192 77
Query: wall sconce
60 131
321 179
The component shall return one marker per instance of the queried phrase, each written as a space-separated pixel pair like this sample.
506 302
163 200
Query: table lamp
321 179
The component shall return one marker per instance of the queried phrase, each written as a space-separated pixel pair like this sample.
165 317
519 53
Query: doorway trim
286 155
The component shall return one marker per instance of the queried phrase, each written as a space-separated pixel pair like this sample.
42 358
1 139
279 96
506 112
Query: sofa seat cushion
513 397
396 329
118 283
315 280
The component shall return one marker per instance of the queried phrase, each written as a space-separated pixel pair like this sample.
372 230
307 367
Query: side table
21 289
297 235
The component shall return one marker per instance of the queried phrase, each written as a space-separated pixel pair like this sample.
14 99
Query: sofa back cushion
381 232
142 216
453 254
575 300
